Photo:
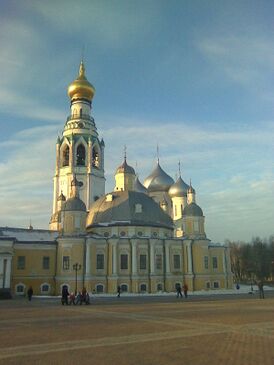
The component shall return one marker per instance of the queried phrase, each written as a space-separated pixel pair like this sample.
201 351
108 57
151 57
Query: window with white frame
216 285
21 262
124 288
20 288
99 288
124 261
143 262
176 262
159 262
143 287
66 262
215 262
206 262
45 288
100 261
45 262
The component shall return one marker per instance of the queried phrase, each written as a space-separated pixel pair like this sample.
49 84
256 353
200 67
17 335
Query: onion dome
158 180
138 186
125 169
193 210
80 88
179 189
75 203
190 189
127 208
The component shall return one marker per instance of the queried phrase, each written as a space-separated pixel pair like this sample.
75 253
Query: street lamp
76 267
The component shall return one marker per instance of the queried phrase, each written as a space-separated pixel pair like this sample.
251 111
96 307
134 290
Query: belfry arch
81 155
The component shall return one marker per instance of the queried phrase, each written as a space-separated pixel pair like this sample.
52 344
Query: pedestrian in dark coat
30 293
65 294
261 289
118 291
179 291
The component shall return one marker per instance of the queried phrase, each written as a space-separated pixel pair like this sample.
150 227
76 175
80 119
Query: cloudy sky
195 77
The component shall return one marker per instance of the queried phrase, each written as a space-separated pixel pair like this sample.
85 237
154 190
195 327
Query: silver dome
193 210
138 186
179 189
119 208
158 180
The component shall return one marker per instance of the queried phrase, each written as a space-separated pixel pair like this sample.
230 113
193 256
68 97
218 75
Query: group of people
72 298
179 290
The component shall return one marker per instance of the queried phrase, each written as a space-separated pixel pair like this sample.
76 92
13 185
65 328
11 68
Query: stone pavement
225 331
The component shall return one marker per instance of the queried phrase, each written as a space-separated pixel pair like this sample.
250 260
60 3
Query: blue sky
196 77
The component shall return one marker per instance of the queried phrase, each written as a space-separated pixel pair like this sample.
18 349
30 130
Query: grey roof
74 204
121 210
178 189
28 235
158 180
125 168
138 186
193 210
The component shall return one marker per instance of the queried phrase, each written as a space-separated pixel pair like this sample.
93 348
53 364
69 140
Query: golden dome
80 88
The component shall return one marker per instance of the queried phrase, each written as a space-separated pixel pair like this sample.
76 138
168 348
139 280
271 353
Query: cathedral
144 238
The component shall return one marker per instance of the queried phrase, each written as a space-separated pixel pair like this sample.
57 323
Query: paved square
224 331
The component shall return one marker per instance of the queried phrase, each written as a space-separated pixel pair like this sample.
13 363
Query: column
87 258
8 274
152 257
114 258
134 257
167 258
189 258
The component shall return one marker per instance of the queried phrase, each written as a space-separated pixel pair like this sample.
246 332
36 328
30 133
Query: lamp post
76 267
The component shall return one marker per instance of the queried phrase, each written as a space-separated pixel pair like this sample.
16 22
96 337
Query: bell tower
79 152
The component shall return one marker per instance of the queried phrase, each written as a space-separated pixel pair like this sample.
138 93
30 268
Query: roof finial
125 152
82 70
179 167
30 225
83 52
158 153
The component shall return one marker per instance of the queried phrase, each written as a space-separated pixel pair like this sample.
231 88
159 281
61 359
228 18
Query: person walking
30 293
261 289
118 291
65 294
185 289
179 291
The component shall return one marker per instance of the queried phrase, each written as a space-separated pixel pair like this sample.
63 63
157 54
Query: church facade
145 238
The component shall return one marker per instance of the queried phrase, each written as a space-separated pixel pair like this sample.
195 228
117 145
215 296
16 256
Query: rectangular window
21 262
100 261
124 262
46 262
66 262
208 284
215 262
216 285
206 262
159 262
177 262
143 262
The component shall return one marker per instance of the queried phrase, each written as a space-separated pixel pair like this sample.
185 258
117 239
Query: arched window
99 288
20 288
95 158
81 155
45 288
66 156
124 287
159 287
81 112
143 287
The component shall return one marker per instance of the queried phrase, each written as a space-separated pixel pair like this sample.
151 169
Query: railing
80 116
